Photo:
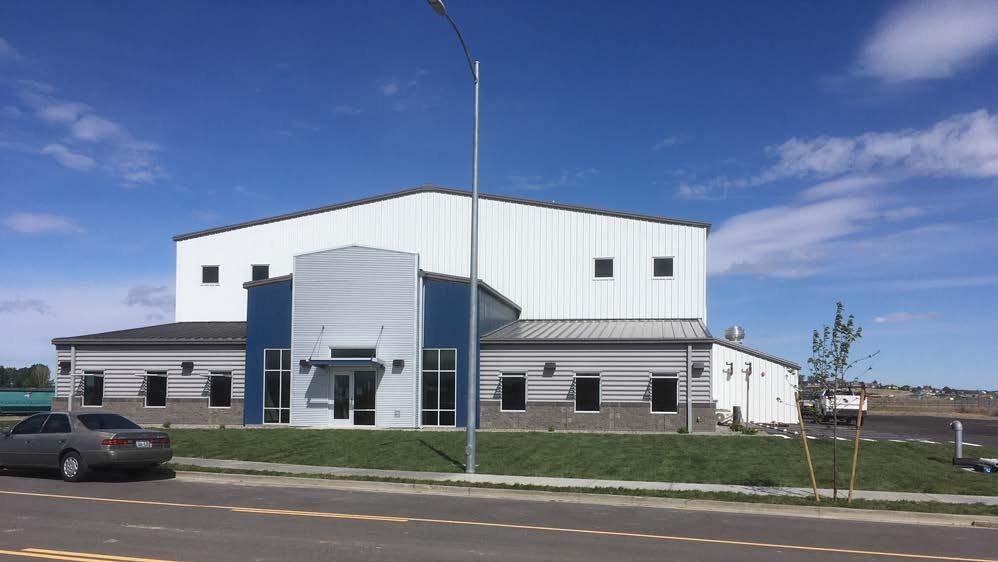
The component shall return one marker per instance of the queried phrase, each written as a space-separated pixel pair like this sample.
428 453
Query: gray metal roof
596 331
431 188
177 332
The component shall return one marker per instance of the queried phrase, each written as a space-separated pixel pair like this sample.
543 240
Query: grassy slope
912 467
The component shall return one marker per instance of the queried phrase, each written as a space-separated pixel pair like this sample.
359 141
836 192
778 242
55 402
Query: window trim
613 269
263 399
252 265
83 391
219 274
662 277
525 383
651 401
225 375
166 394
599 395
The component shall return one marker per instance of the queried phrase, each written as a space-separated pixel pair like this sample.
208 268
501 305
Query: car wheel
72 467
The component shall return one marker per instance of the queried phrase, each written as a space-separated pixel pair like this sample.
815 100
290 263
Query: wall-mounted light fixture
549 368
304 363
398 363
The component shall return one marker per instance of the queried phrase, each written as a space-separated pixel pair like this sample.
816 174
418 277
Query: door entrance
353 398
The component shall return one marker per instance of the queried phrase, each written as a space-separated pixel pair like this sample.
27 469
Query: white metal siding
625 371
539 257
120 364
771 396
342 298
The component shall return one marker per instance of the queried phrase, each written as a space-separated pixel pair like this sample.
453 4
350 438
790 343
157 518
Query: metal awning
349 362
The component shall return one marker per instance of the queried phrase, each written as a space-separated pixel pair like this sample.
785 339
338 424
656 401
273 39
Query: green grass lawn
769 461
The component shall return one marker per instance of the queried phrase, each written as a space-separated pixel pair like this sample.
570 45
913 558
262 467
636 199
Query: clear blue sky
842 150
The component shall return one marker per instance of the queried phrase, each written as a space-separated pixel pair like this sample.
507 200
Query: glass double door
353 398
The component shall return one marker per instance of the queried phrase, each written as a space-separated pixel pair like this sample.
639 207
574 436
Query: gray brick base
613 416
177 410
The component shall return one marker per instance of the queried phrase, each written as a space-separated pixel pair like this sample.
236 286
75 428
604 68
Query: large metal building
356 314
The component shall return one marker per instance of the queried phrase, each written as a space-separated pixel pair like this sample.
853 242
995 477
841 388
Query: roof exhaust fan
734 333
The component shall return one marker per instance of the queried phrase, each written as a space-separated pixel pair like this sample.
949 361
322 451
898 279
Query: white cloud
785 241
40 223
14 306
924 40
68 158
848 185
7 52
667 142
347 109
962 146
71 309
902 317
159 298
566 179
389 88
113 148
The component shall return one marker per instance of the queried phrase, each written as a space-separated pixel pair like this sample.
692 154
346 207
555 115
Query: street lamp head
438 6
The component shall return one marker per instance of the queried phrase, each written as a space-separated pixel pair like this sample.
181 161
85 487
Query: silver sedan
75 442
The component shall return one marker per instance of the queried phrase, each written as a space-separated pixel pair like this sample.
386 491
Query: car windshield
106 421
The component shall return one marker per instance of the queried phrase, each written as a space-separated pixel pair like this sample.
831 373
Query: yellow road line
104 557
239 509
73 557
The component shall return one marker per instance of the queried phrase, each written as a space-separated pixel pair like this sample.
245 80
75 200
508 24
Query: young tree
830 365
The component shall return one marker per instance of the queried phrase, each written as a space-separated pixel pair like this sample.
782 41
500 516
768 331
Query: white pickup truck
842 403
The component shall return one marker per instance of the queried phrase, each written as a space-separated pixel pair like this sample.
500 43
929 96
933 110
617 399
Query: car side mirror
5 433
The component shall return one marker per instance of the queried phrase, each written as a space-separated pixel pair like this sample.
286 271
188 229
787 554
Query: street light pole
472 381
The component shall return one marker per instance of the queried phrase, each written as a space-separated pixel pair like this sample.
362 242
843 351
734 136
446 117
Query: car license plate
143 444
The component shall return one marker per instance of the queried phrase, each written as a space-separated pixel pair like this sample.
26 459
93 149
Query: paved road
169 519
914 428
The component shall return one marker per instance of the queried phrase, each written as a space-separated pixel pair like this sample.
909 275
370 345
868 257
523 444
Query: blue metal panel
445 325
268 326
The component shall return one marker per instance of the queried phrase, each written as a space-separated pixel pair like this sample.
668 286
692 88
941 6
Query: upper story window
260 272
603 268
663 268
209 275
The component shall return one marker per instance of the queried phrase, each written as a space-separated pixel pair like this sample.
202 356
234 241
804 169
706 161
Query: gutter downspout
689 389
72 376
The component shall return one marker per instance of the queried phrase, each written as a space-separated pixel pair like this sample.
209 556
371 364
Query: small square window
514 393
209 274
603 268
260 272
663 268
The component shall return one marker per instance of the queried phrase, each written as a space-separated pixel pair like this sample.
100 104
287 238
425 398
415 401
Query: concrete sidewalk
577 482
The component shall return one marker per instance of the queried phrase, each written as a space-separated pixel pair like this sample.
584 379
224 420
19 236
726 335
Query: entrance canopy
349 362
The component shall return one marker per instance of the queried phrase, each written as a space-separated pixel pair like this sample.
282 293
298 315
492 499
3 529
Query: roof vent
734 334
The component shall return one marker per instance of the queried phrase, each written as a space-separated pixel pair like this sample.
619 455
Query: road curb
816 512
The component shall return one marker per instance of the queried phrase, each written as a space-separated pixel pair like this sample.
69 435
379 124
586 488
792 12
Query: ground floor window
513 389
665 394
219 390
276 386
155 390
365 387
439 387
587 393
93 389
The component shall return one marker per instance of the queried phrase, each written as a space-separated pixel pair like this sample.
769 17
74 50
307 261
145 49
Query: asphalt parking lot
935 429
